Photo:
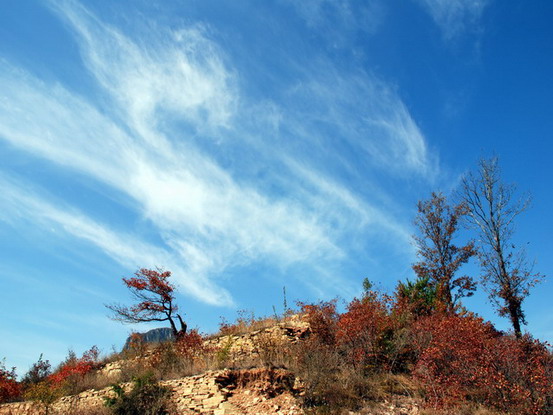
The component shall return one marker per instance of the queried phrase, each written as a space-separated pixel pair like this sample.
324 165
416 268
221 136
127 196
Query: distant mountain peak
158 335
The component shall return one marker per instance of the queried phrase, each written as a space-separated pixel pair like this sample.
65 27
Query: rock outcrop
152 336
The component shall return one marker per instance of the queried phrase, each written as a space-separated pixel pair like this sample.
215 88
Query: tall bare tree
507 275
440 258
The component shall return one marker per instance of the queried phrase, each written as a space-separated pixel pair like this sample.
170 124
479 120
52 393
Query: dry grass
246 322
461 410
244 325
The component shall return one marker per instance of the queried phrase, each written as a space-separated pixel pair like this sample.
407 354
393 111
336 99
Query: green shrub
147 397
224 354
44 393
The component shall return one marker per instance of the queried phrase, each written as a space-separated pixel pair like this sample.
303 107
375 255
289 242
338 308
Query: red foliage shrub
363 330
454 351
463 357
74 366
521 379
10 389
323 320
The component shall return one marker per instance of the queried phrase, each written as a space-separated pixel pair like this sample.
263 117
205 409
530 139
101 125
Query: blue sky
249 145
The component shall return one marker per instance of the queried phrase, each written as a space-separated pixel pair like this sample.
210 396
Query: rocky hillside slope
252 390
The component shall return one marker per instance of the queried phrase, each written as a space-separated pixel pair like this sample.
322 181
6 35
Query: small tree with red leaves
190 344
363 330
156 300
323 319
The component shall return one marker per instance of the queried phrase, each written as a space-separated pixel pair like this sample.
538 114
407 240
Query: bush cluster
456 358
465 358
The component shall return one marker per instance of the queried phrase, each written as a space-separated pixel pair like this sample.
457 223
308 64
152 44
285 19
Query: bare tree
440 259
507 275
156 300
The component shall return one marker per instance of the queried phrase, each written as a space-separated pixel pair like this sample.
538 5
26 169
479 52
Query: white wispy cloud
208 220
209 217
455 16
382 127
178 72
25 205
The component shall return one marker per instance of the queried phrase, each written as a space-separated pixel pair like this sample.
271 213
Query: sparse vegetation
38 372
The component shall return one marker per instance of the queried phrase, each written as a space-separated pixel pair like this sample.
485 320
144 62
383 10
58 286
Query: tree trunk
514 314
183 326
173 327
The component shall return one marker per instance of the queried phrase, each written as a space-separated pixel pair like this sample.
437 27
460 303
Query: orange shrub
137 345
454 352
521 379
465 358
323 319
364 331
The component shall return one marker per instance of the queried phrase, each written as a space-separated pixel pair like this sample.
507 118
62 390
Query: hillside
367 360
259 389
